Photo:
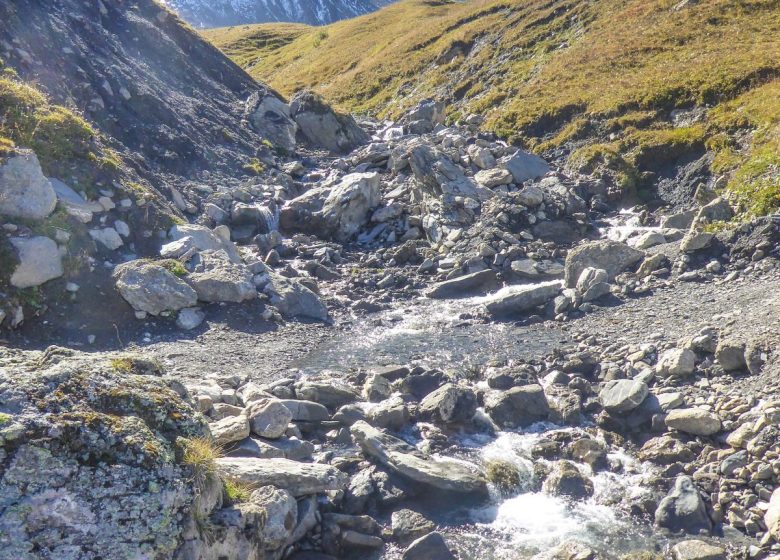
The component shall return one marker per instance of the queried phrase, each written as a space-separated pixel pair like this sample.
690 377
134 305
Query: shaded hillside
600 84
137 73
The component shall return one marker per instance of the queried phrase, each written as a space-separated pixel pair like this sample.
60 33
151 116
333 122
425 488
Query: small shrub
254 167
174 267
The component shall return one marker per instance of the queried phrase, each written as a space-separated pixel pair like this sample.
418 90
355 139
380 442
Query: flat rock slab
442 474
517 299
300 479
481 281
622 395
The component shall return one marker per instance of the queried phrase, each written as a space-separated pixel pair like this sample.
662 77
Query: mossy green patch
253 167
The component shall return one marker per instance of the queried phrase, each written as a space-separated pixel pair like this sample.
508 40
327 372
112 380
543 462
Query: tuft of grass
237 492
174 267
122 365
5 418
200 455
253 167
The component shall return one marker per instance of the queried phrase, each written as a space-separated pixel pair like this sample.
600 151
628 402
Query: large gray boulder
216 278
449 404
300 479
623 395
612 256
683 509
151 288
281 515
39 261
268 418
524 166
330 393
435 472
24 191
513 300
518 407
204 239
480 281
322 127
271 118
338 211
440 176
694 421
293 299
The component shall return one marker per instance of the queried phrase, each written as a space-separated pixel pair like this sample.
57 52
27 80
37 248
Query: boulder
678 362
490 178
683 509
216 278
430 547
565 479
694 421
730 354
524 166
331 393
612 256
665 450
151 288
74 203
322 127
434 472
623 395
696 241
347 207
306 411
281 515
293 299
649 239
697 550
377 388
283 448
300 479
772 515
39 261
592 283
229 429
205 239
107 237
518 407
410 525
468 284
569 550
271 118
190 318
389 414
513 300
25 193
449 404
268 418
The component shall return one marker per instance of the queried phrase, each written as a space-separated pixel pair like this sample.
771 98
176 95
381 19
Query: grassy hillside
599 77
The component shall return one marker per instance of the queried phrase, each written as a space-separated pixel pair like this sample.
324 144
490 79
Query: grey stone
683 509
730 354
205 239
525 166
623 395
696 241
565 479
271 118
518 407
430 547
24 191
306 411
151 288
697 550
612 256
229 429
513 300
678 362
449 404
330 393
108 237
190 318
268 418
294 299
694 421
410 525
39 261
324 128
476 282
216 278
300 479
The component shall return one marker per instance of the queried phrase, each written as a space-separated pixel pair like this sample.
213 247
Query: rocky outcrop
322 127
215 278
271 118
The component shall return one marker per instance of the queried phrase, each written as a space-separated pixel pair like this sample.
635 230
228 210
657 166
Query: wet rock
410 525
506 378
565 479
623 395
569 550
421 384
525 166
430 547
678 362
151 288
591 452
697 550
268 418
683 509
389 414
506 477
322 127
468 284
39 261
434 472
299 479
518 407
24 191
565 405
215 278
514 300
449 404
694 421
612 256
377 388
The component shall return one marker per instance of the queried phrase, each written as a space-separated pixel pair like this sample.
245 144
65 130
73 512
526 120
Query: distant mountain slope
637 88
217 13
